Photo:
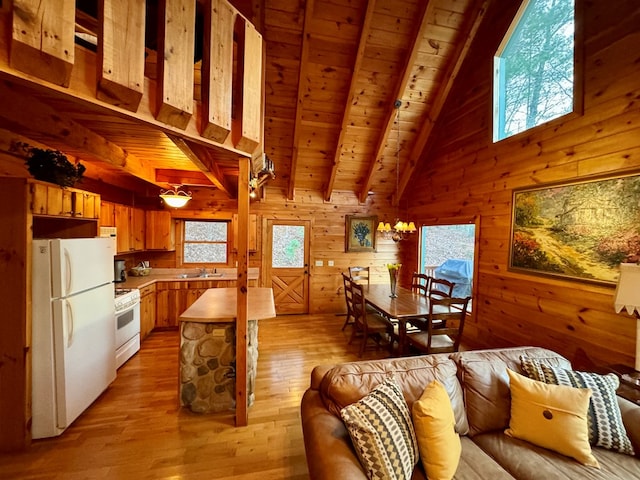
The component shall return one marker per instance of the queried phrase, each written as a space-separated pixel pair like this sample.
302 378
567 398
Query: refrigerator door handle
69 324
67 261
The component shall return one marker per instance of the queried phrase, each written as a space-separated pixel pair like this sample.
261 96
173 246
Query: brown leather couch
477 384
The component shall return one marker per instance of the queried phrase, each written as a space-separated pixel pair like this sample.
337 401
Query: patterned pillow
382 433
604 418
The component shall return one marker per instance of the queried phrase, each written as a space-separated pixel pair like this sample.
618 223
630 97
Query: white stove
127 306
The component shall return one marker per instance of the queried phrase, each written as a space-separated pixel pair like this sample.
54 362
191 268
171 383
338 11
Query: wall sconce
175 198
627 296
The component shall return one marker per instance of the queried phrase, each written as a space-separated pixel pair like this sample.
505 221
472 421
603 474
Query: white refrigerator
73 329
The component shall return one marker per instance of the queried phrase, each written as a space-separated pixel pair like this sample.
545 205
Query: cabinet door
159 231
78 204
147 310
253 232
122 217
107 214
137 229
171 301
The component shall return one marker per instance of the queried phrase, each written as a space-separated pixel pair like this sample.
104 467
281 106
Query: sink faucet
203 272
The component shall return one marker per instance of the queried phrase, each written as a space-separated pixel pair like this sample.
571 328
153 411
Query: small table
628 388
406 305
208 348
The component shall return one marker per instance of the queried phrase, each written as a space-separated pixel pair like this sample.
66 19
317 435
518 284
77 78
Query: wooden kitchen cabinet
130 224
107 214
52 200
159 230
147 310
171 301
253 232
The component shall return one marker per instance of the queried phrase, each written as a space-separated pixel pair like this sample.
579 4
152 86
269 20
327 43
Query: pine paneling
464 173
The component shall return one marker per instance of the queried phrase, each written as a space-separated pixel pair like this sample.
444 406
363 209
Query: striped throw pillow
382 433
606 429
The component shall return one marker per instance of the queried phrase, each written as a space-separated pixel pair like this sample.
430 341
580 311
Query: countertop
218 305
173 275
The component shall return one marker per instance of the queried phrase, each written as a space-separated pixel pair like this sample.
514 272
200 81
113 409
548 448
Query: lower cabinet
173 298
147 310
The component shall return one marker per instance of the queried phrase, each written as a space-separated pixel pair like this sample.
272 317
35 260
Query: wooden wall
465 174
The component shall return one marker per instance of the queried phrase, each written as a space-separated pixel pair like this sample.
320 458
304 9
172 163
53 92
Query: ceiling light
400 228
175 198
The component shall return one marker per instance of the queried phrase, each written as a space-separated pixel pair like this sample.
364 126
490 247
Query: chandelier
175 198
400 227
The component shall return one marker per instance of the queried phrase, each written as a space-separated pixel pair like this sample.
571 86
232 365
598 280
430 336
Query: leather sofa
478 387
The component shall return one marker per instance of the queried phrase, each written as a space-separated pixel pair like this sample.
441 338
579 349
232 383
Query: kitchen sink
199 275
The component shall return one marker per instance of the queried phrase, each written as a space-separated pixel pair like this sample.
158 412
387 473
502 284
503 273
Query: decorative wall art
360 233
581 230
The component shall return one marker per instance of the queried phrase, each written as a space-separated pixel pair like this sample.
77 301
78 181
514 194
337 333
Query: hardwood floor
137 430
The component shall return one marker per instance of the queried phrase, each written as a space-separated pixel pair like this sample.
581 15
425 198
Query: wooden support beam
469 34
175 75
362 44
42 41
302 89
202 158
121 53
64 133
217 71
390 116
249 134
182 177
242 243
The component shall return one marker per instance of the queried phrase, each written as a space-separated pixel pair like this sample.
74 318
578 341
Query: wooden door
287 264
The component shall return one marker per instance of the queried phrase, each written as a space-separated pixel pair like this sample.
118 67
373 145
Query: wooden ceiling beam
462 49
362 44
182 177
63 133
302 90
390 115
201 157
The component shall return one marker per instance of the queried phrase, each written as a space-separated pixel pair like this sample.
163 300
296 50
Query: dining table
406 305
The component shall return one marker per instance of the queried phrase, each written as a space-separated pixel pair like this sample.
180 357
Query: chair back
446 323
348 293
359 275
359 303
439 288
420 283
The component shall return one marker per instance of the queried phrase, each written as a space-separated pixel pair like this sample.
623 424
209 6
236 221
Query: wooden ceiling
335 70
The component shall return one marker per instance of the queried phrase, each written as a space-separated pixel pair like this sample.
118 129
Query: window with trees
205 241
534 67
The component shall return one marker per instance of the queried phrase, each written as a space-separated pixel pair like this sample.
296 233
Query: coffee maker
119 271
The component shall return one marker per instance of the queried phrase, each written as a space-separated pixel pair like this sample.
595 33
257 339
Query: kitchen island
207 348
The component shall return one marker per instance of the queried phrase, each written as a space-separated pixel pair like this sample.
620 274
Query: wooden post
242 243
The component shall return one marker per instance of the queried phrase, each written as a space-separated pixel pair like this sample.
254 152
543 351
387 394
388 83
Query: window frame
184 242
578 77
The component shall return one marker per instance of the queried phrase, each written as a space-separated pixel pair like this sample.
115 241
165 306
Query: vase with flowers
394 273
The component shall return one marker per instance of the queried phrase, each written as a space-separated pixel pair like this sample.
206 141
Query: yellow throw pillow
434 424
551 416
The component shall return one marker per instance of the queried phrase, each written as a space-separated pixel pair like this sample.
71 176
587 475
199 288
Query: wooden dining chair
439 287
445 325
348 298
369 324
360 275
420 283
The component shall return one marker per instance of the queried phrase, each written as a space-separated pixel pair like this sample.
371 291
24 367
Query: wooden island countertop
218 305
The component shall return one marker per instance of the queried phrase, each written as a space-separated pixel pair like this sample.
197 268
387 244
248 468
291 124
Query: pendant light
400 227
175 198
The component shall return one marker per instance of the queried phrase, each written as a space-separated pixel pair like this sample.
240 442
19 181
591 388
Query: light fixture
175 198
627 296
253 185
400 228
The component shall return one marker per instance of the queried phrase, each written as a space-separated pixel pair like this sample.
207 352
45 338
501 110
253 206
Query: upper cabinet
52 200
253 232
159 231
130 226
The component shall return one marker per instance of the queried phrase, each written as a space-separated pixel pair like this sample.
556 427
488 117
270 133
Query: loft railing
217 100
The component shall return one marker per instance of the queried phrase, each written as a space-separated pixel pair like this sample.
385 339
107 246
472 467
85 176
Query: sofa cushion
434 423
526 461
483 375
551 416
349 382
605 421
382 433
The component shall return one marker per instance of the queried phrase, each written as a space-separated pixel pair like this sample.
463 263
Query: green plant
53 166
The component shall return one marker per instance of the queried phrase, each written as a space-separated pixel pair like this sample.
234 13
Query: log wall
464 174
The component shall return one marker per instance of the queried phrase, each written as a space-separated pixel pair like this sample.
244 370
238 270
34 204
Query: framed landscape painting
581 231
360 233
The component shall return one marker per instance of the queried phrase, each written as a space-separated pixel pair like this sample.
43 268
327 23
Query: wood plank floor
136 429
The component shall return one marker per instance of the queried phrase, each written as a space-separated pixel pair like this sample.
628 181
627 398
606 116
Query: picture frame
579 231
360 233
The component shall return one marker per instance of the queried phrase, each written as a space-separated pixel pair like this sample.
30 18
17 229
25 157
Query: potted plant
53 166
